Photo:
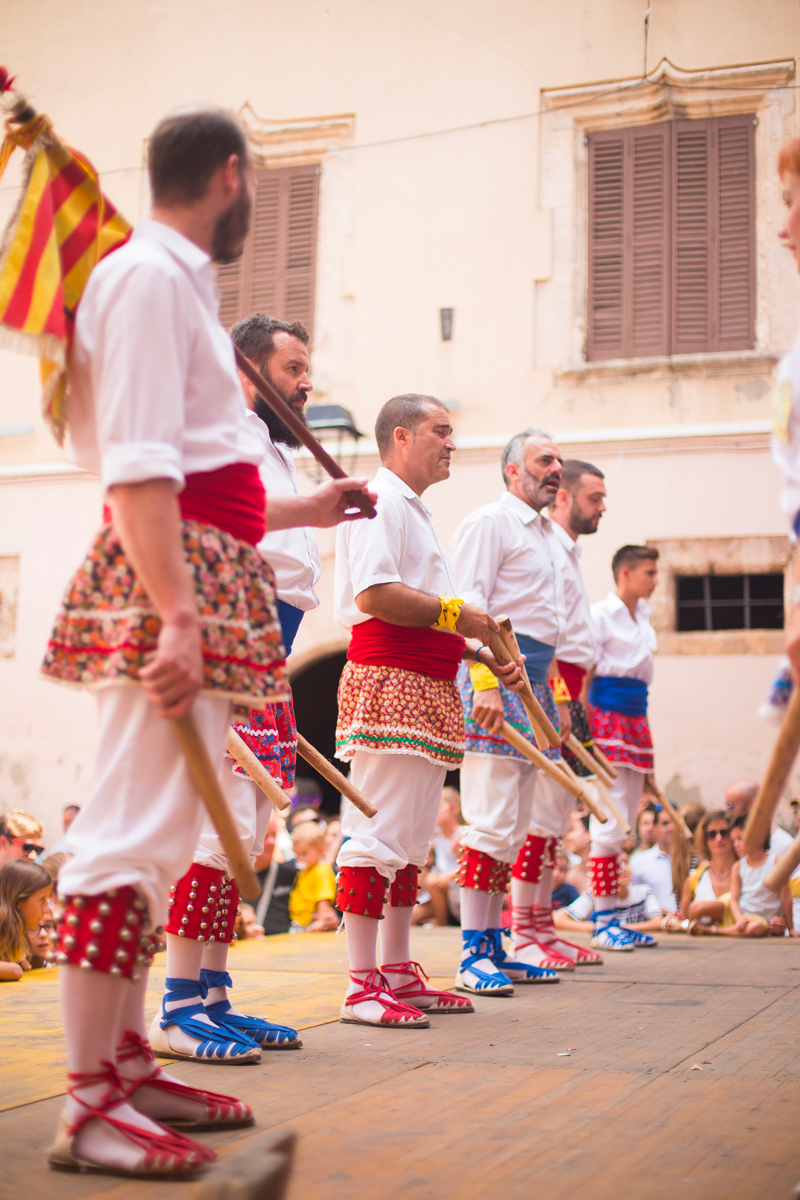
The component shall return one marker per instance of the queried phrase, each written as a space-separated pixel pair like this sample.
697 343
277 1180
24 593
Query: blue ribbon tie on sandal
640 939
216 1042
478 948
517 972
266 1034
608 933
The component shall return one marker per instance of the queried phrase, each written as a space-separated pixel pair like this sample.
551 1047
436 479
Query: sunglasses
718 833
29 847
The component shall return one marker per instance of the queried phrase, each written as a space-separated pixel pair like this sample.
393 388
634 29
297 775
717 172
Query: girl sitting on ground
706 895
24 891
756 908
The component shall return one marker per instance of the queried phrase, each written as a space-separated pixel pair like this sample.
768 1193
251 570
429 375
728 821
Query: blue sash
615 694
538 657
290 618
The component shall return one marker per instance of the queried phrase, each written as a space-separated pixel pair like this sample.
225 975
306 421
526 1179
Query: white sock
395 934
544 888
523 894
475 909
495 910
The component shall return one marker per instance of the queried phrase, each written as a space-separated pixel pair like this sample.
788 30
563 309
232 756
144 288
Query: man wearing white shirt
625 643
654 866
280 351
505 559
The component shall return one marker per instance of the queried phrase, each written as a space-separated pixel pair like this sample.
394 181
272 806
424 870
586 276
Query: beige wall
489 221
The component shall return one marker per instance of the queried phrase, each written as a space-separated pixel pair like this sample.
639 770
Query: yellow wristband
482 678
560 690
451 608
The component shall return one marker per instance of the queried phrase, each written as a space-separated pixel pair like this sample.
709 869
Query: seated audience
277 880
311 900
645 828
706 898
637 907
24 891
333 842
21 836
439 899
692 814
68 816
653 867
756 909
563 893
576 842
739 800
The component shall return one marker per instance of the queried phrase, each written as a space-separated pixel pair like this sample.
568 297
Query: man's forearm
147 520
399 604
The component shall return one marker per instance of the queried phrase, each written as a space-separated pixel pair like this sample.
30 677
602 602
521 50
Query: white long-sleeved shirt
399 545
154 389
624 647
504 558
576 646
293 554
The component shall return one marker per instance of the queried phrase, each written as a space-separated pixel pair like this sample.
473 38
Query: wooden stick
607 766
320 763
241 752
784 753
506 652
587 799
589 761
521 743
207 783
672 812
612 806
785 867
301 431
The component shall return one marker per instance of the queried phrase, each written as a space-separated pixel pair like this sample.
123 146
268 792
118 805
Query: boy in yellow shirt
315 887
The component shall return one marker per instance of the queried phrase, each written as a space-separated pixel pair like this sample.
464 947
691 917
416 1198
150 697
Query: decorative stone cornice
297 140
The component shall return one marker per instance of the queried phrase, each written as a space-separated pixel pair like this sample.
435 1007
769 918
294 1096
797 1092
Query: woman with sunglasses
706 898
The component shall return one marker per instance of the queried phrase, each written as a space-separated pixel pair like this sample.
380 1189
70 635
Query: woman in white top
706 894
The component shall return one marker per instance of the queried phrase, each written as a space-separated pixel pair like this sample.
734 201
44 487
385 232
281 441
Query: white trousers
497 797
251 812
552 805
627 790
407 792
143 819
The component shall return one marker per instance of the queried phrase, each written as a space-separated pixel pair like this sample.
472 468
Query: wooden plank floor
588 1088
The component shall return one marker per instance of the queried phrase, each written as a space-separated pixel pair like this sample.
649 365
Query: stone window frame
748 555
669 93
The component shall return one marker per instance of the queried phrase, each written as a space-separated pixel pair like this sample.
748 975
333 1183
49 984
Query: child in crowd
563 893
311 900
756 909
638 909
24 891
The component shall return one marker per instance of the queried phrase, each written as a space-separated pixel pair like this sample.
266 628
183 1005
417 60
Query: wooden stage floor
665 1073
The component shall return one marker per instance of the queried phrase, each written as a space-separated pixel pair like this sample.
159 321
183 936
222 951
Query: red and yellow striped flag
62 226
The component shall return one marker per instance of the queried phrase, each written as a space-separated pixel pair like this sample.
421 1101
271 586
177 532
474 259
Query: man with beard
279 350
505 560
576 510
172 610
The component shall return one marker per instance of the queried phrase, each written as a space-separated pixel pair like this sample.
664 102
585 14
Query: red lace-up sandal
417 993
222 1112
528 948
395 1014
167 1154
547 935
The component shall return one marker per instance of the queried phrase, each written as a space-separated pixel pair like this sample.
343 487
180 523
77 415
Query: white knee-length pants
552 805
251 812
141 824
627 790
497 796
407 792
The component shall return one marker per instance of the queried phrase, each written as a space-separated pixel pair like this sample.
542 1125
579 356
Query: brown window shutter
648 258
606 315
735 153
276 272
693 282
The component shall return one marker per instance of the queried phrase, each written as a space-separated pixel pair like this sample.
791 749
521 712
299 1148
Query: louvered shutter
647 261
693 261
606 318
276 273
735 153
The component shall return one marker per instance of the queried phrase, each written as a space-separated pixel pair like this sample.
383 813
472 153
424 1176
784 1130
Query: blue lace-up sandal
608 933
215 1043
477 973
640 940
517 972
265 1034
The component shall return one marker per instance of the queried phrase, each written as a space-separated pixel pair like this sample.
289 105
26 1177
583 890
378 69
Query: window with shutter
275 274
671 246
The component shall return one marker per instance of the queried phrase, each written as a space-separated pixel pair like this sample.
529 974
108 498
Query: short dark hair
629 556
185 150
402 412
572 471
255 336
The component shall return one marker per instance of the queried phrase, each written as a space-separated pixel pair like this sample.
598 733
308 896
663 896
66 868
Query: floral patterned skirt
481 742
623 740
107 628
580 727
272 736
389 710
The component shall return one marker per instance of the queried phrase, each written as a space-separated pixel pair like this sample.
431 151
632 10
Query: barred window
709 602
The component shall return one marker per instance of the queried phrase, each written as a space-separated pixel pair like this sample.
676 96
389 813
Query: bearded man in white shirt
400 718
204 901
172 610
625 643
505 557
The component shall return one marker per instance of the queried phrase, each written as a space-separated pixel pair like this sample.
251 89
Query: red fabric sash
573 677
432 652
231 498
